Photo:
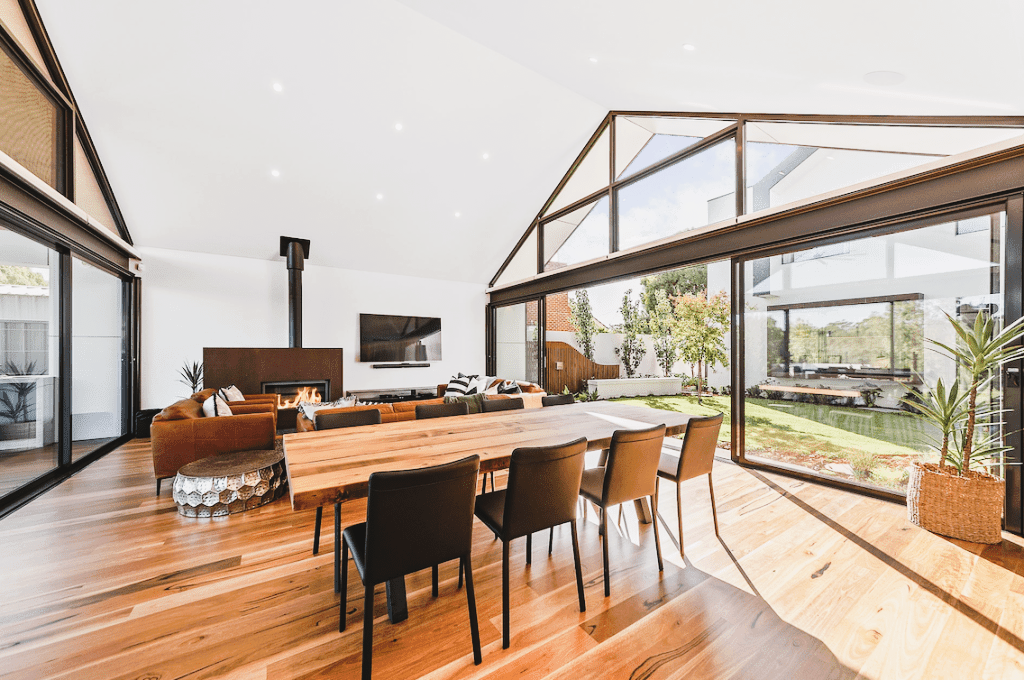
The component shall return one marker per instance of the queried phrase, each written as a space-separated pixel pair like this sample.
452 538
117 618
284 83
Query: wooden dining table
332 466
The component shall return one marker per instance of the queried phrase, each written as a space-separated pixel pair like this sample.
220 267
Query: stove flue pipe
296 251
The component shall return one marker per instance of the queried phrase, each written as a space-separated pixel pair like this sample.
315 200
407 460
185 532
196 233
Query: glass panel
835 337
695 192
577 237
97 356
641 142
29 362
517 336
29 122
523 264
590 175
788 162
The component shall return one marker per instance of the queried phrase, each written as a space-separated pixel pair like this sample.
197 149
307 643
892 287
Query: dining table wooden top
331 466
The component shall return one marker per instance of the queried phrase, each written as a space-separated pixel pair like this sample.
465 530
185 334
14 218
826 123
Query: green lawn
878 444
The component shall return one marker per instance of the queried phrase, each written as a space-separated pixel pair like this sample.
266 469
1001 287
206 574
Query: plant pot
13 431
969 508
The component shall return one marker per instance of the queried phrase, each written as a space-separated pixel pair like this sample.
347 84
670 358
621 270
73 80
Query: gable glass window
577 237
29 346
788 162
697 191
643 141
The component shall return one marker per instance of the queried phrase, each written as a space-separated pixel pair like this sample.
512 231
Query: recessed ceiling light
593 60
380 197
275 173
884 78
278 87
398 126
831 158
486 156
458 214
782 173
689 48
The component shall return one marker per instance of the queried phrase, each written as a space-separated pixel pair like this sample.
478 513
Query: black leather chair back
425 411
699 442
492 405
332 421
418 518
632 468
543 485
557 400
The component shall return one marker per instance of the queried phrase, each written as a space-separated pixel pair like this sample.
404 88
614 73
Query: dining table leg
337 547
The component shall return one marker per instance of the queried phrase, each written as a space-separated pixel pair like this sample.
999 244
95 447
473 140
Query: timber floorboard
102 579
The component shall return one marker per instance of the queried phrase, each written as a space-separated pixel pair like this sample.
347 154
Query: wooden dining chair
696 457
427 411
415 519
557 400
630 474
331 421
543 485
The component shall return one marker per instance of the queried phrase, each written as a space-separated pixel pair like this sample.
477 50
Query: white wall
194 300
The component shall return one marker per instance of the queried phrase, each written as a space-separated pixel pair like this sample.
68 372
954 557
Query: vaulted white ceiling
180 100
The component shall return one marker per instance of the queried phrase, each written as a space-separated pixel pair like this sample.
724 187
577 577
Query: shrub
862 462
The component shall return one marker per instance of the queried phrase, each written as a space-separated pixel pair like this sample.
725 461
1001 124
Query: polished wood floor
100 579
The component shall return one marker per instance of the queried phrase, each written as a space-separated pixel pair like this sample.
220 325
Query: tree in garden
581 316
701 325
631 352
661 321
686 281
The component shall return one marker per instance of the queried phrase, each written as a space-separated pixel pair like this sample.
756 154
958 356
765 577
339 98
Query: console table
392 395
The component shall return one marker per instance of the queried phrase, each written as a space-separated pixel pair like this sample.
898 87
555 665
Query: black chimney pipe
296 250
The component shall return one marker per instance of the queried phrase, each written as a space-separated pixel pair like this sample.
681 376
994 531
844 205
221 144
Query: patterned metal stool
230 483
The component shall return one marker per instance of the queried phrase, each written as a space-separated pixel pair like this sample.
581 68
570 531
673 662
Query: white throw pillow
231 393
215 406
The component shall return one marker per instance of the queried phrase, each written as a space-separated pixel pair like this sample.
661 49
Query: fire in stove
309 394
291 392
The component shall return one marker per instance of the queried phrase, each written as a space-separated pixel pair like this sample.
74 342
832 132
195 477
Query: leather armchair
181 434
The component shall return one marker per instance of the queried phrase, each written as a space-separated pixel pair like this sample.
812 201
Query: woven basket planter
969 508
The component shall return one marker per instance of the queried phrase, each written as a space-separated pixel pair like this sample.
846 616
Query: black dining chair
696 457
543 485
557 400
415 519
426 411
331 421
630 474
495 405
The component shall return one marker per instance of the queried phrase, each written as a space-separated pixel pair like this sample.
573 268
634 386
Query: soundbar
400 366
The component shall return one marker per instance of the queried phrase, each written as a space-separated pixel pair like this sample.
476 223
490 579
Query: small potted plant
192 375
957 497
14 404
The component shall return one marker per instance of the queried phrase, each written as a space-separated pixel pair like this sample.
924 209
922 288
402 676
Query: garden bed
635 387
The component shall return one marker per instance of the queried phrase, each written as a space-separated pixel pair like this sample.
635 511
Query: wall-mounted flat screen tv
383 337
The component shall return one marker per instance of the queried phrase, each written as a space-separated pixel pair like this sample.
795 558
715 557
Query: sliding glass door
518 342
29 359
835 343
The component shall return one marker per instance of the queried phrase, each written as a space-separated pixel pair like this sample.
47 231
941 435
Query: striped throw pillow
459 386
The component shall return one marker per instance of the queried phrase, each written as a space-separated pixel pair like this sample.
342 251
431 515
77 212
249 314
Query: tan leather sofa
406 410
181 433
389 413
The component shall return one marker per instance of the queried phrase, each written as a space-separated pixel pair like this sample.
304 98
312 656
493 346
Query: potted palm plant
16 404
957 497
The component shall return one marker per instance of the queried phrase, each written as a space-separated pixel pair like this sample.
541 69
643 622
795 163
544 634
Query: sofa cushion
231 393
215 406
461 385
530 388
203 395
180 410
475 401
509 387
